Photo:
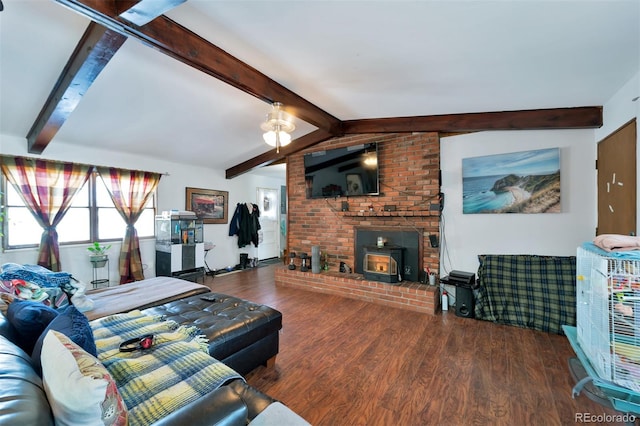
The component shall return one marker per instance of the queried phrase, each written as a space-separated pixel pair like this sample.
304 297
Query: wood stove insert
383 264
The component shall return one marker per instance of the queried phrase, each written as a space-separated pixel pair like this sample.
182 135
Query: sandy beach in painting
519 194
545 200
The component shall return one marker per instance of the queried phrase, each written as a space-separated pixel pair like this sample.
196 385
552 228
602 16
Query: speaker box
464 302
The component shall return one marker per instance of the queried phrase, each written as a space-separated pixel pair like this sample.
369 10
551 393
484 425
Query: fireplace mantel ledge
407 213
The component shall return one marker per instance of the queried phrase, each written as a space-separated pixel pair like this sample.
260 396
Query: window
92 216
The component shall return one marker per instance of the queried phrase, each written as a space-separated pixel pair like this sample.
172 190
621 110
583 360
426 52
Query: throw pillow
72 323
29 319
79 389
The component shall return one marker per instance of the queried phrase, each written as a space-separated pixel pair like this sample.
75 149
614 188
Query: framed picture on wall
517 182
209 205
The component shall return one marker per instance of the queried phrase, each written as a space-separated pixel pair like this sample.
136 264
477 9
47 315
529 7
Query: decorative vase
315 259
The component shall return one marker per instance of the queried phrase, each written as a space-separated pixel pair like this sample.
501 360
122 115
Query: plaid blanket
176 371
529 291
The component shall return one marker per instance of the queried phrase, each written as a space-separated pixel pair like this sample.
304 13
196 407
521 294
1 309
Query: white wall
468 235
171 195
620 108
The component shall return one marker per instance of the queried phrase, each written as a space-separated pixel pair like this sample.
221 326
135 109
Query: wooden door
617 182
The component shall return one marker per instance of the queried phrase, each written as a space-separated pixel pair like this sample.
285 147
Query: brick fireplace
409 182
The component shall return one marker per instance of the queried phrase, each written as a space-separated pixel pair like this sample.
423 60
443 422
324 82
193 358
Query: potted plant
98 254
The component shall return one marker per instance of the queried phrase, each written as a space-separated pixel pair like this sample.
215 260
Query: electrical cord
444 257
444 248
333 209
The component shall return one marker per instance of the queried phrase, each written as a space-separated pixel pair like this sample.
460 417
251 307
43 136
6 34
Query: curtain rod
82 164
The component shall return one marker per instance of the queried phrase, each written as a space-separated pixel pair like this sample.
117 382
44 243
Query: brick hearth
406 295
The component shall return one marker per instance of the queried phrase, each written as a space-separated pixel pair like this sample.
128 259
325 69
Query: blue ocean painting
480 174
477 196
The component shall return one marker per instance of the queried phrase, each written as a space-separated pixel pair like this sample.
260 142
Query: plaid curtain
130 190
46 188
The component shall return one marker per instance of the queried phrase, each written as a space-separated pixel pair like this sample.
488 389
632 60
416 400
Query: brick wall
406 295
408 167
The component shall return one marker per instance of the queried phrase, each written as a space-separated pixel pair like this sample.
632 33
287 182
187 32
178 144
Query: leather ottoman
242 334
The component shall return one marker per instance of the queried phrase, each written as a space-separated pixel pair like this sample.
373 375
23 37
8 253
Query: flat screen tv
342 172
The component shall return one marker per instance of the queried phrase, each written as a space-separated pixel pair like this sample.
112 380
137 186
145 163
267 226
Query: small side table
97 266
208 246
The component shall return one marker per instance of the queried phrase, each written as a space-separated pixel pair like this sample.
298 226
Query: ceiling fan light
270 138
285 138
277 127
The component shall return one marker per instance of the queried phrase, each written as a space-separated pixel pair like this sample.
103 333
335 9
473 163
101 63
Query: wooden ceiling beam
178 42
271 157
144 11
174 40
537 119
92 53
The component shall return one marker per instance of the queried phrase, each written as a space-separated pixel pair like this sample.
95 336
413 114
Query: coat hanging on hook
245 224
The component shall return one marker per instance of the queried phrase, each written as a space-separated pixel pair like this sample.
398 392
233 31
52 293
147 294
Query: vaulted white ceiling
353 59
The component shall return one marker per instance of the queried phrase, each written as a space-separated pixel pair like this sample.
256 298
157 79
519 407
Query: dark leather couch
23 400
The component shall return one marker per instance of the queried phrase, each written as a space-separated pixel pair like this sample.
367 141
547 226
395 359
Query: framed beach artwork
518 182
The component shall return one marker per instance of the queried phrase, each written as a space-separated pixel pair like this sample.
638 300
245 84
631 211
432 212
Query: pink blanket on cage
615 242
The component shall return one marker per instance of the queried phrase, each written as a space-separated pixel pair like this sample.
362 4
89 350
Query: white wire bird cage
608 315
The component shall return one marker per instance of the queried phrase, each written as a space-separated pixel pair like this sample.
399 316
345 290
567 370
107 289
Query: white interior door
269 247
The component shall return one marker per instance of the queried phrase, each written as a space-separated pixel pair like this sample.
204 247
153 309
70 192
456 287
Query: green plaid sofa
537 292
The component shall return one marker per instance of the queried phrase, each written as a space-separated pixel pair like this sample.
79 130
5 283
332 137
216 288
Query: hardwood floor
348 362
